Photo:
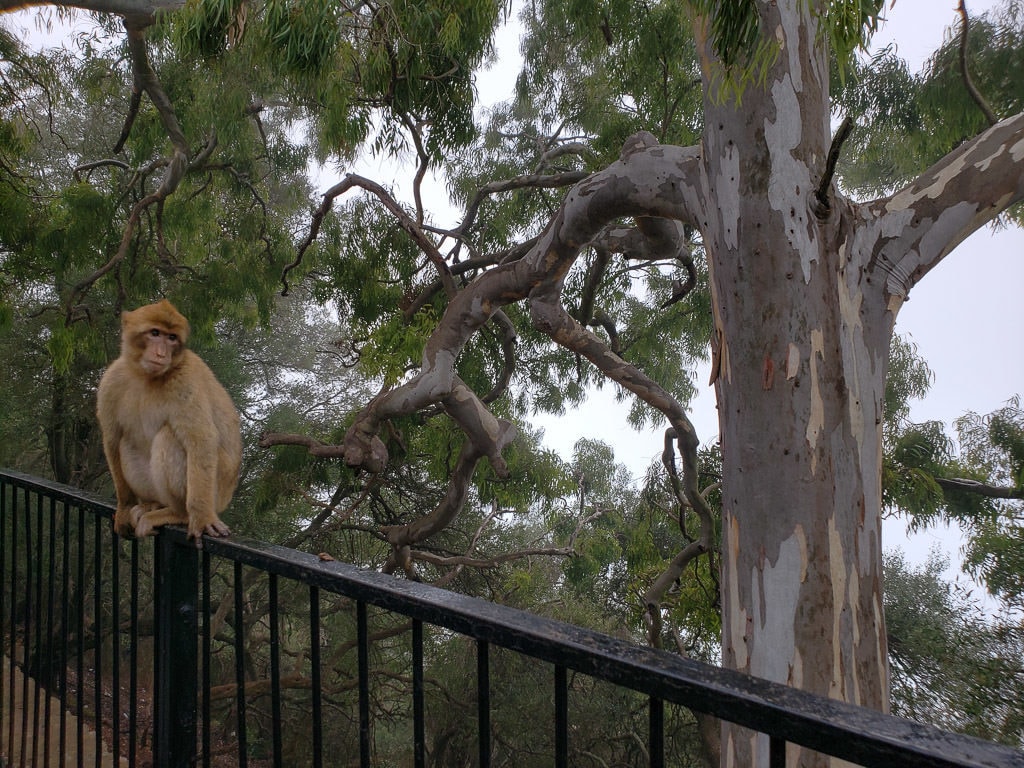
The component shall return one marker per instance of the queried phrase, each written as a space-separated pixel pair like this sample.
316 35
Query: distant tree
975 481
953 664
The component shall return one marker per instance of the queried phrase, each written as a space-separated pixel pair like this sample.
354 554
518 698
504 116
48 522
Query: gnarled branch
972 89
964 485
636 185
146 80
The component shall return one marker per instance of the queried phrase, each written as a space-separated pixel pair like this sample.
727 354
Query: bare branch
958 195
561 150
981 489
138 11
703 544
595 275
507 334
133 111
822 195
493 561
422 164
315 447
601 319
86 167
402 537
410 225
975 94
146 80
635 185
532 181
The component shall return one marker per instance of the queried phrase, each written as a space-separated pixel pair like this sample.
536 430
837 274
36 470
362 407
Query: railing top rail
59 491
843 730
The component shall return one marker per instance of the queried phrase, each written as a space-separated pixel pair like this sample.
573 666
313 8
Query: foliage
953 664
607 70
734 31
974 482
215 248
904 122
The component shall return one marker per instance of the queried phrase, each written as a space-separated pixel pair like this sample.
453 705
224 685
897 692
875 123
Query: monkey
170 431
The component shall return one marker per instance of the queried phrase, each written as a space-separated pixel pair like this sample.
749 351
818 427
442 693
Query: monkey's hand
214 527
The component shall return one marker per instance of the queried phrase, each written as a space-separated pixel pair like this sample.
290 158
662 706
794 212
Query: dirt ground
30 718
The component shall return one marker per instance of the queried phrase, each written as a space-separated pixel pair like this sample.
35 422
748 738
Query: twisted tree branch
146 80
975 94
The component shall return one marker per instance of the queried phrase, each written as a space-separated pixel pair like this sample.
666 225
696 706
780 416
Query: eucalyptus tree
954 663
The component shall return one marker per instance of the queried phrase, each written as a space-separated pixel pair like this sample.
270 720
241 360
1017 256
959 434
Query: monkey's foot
138 512
144 528
124 522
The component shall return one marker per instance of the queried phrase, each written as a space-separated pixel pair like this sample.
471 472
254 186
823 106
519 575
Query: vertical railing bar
158 630
243 758
51 596
776 752
80 662
418 709
14 612
483 700
97 634
275 671
207 672
314 661
133 654
561 717
37 618
28 628
656 727
4 747
363 644
176 653
115 661
65 619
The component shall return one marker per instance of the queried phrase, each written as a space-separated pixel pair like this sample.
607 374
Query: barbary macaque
170 431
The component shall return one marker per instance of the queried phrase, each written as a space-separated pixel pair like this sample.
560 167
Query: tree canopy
673 185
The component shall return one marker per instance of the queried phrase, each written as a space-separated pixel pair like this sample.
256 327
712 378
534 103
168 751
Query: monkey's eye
155 332
172 337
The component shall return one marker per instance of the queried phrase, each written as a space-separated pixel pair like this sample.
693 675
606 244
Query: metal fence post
177 652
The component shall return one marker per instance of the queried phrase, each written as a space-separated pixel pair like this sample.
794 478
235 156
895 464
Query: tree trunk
801 354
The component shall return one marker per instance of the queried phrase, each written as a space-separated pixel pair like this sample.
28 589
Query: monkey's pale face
160 348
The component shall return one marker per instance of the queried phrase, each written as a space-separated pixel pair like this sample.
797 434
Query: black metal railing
120 652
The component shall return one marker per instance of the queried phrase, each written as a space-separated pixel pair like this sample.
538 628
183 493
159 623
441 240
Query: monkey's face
160 349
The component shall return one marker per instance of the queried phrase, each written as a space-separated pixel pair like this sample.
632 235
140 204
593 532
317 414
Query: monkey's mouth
154 368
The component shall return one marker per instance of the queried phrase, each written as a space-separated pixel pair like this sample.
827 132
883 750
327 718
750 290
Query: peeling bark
808 284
